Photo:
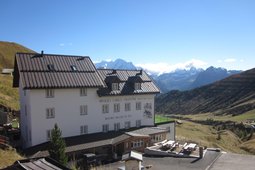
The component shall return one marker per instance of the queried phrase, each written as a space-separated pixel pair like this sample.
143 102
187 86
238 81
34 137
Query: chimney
114 71
140 73
42 53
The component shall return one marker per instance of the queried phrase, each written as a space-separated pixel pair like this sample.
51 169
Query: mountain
180 79
210 75
7 52
9 96
177 80
117 64
232 95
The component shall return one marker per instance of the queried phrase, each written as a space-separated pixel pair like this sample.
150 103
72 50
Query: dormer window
115 86
74 68
51 67
137 86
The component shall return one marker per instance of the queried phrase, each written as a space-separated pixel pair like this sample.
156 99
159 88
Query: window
116 126
127 125
105 128
49 93
51 67
127 106
115 86
105 108
83 110
48 134
83 129
138 106
137 144
158 137
148 106
138 123
74 68
50 113
137 86
116 107
83 92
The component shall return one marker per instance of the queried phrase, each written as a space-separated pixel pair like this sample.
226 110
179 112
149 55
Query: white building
70 91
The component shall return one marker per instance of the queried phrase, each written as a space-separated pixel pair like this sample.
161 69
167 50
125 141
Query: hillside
7 52
233 95
9 96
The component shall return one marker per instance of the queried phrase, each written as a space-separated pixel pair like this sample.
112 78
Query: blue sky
157 34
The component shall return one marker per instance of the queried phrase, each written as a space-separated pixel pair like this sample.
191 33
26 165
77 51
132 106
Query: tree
57 146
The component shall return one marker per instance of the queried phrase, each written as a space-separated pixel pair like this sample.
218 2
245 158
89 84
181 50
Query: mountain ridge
232 95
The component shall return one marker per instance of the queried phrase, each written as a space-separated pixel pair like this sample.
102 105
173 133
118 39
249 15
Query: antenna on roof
42 53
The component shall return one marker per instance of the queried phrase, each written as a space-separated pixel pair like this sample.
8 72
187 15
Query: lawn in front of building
162 118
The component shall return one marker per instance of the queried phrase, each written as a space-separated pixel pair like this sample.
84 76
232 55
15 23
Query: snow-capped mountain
180 79
117 64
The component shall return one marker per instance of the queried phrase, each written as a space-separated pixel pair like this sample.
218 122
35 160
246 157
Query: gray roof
38 163
147 131
55 71
127 78
41 71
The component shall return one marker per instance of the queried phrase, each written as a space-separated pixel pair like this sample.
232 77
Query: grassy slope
207 136
7 52
8 157
8 95
249 146
239 118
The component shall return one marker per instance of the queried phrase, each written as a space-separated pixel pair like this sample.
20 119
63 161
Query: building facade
70 91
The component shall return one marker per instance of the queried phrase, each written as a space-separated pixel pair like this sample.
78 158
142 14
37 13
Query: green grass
162 118
15 123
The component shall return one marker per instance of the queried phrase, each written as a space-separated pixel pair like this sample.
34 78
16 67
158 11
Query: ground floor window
127 125
83 129
157 138
116 126
48 134
105 128
138 123
137 144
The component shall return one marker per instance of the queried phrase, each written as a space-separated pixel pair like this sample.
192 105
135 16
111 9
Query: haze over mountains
180 79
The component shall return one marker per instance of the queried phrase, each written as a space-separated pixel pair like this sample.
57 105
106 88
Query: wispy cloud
230 60
65 44
161 68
